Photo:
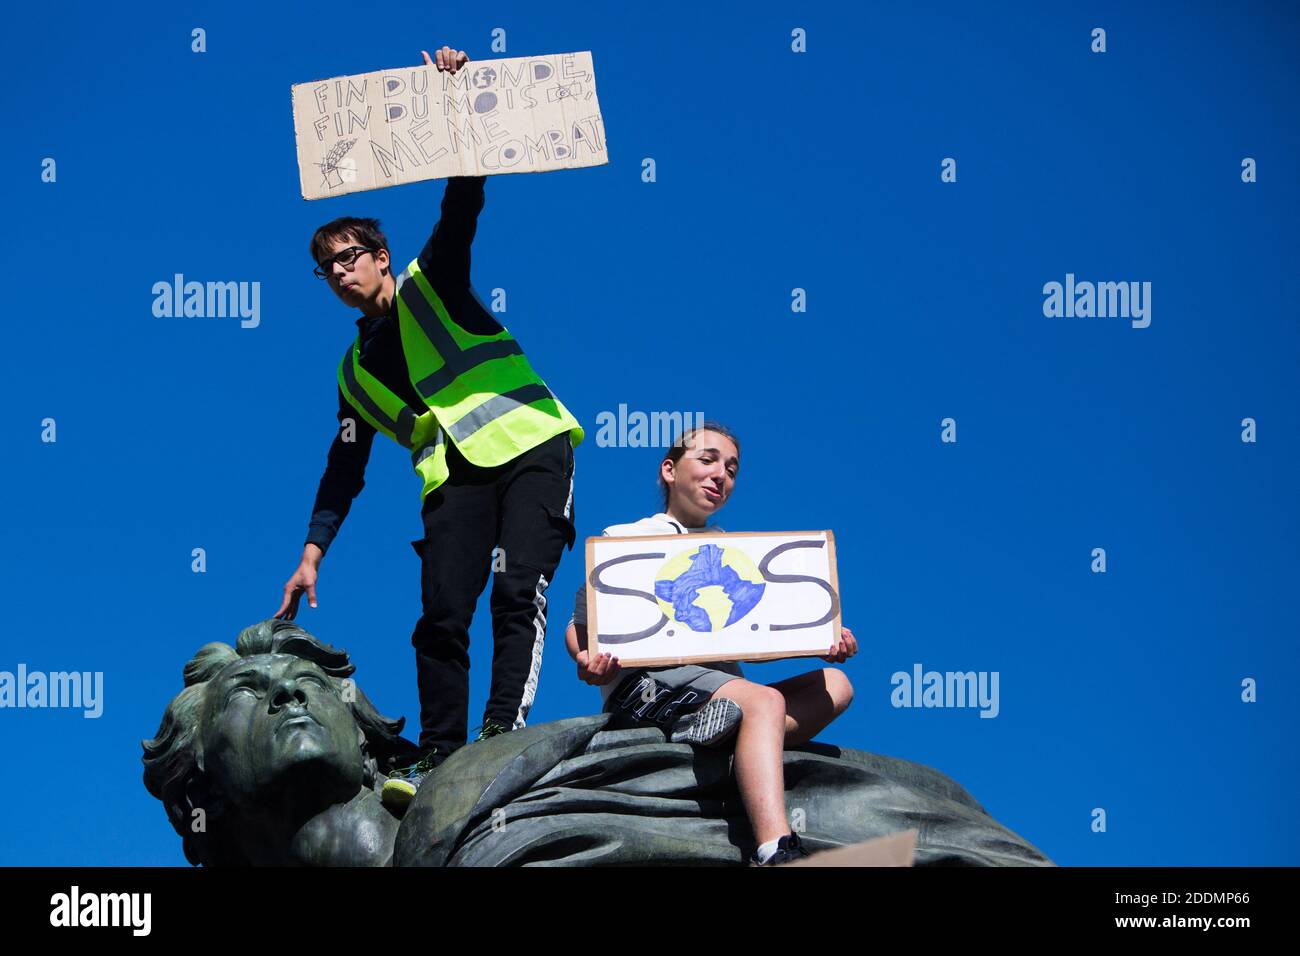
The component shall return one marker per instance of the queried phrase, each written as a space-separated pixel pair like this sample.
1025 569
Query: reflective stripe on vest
480 389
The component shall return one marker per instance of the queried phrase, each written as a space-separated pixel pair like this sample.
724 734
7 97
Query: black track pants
524 508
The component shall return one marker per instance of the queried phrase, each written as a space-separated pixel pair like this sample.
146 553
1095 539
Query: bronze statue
271 755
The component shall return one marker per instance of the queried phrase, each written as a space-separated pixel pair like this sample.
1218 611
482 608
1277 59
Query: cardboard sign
662 600
897 849
526 114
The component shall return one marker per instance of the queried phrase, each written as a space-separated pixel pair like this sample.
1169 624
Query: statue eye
237 688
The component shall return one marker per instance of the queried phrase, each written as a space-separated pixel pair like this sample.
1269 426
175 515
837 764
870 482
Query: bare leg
760 741
812 701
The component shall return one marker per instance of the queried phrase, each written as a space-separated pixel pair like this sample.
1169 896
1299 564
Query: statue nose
287 692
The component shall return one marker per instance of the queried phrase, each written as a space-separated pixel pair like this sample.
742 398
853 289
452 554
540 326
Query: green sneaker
490 729
401 784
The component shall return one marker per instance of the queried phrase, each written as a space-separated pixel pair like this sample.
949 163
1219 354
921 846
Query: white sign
526 114
661 600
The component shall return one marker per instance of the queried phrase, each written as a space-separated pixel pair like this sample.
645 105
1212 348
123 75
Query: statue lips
297 718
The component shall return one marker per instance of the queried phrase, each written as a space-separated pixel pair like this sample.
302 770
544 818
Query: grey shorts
660 695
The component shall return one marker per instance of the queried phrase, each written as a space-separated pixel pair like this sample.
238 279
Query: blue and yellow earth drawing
708 588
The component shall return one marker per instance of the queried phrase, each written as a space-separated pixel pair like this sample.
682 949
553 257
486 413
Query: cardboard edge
593 630
833 564
713 658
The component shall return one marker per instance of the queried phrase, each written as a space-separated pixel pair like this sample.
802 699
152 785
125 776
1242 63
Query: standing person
707 704
493 446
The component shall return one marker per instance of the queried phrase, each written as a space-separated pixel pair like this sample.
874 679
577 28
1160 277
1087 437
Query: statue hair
171 771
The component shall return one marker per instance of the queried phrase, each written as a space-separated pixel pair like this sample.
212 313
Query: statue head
274 721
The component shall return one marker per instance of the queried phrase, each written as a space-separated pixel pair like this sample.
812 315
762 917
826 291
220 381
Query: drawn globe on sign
709 587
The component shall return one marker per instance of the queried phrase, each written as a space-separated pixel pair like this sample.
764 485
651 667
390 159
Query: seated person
709 703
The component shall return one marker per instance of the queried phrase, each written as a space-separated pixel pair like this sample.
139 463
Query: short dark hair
683 441
363 231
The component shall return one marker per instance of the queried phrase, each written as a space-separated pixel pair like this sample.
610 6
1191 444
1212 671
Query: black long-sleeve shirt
445 263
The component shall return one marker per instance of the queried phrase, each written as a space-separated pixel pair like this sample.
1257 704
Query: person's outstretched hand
446 59
842 649
304 579
602 670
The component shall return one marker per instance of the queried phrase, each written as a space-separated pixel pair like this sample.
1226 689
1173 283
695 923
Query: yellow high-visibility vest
480 390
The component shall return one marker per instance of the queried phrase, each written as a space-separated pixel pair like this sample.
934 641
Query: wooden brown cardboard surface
523 114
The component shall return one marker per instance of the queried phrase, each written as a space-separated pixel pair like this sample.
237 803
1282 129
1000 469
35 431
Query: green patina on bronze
271 755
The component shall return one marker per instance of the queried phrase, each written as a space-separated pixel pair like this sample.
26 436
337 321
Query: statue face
273 720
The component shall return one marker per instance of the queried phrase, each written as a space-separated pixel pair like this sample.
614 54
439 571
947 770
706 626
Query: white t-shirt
656 524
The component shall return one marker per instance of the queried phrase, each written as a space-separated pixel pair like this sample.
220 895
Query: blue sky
775 170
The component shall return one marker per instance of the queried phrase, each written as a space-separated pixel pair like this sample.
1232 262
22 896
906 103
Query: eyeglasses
347 257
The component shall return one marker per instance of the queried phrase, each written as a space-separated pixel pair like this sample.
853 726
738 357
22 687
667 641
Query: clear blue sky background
775 171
